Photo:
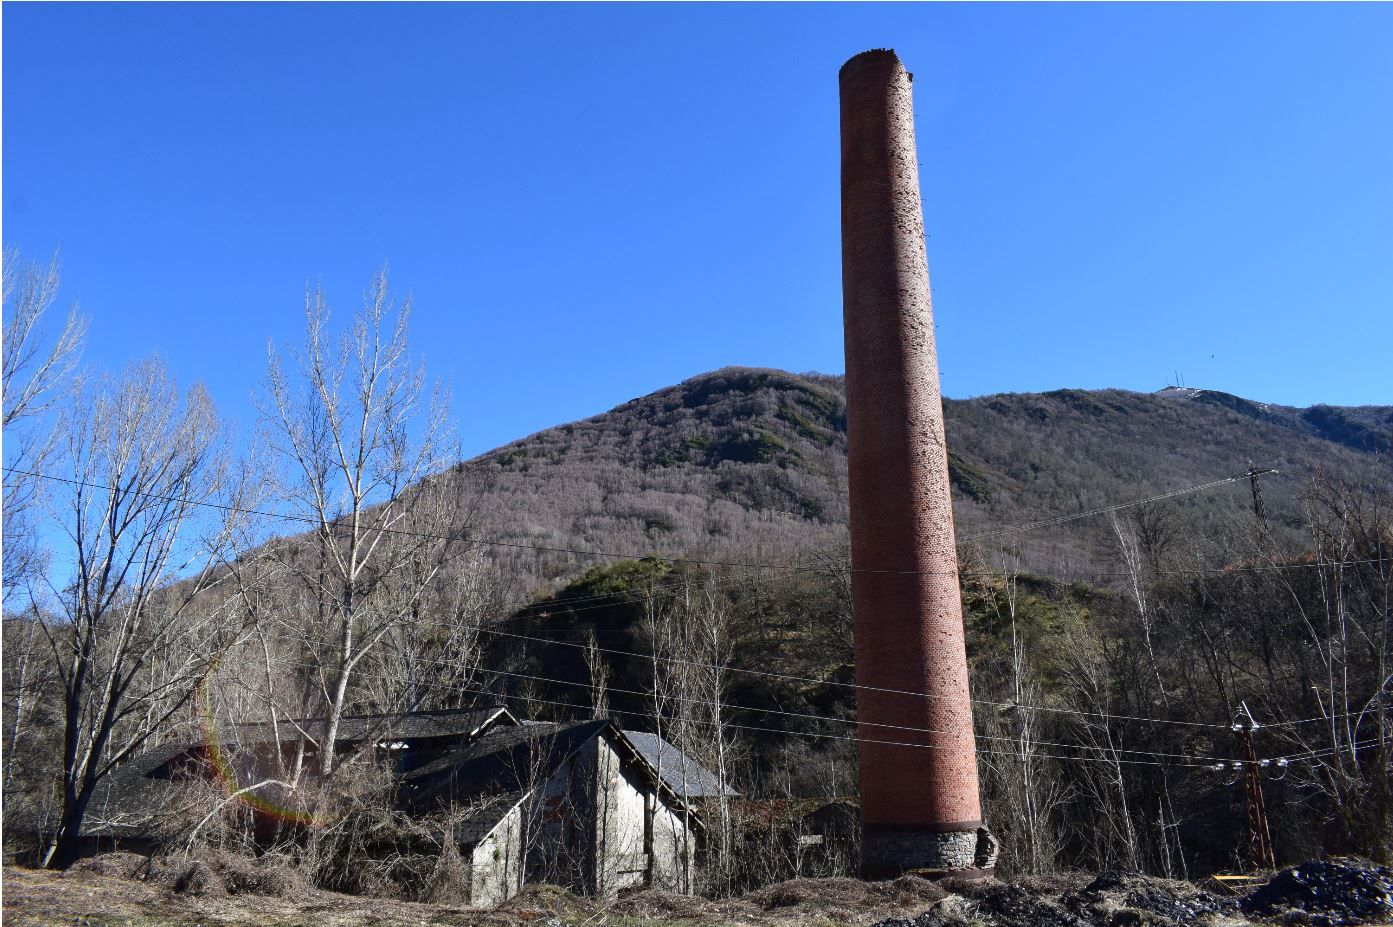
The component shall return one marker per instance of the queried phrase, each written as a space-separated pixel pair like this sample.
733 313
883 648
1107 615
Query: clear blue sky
592 202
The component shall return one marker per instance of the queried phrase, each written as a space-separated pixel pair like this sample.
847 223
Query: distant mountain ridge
750 464
1363 428
739 459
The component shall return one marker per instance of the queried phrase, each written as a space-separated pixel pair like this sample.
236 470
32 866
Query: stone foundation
887 855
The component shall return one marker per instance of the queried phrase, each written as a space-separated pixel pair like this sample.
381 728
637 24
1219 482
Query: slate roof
504 760
501 768
493 772
130 800
130 797
355 728
479 821
687 778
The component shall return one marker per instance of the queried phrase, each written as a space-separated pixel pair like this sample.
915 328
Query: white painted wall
587 827
618 826
619 830
674 846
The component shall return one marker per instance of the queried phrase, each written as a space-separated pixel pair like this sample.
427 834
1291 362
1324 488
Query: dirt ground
108 892
89 898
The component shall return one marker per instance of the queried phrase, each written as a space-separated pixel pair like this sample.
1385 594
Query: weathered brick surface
908 615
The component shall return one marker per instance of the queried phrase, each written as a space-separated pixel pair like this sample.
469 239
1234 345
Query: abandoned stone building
795 838
582 804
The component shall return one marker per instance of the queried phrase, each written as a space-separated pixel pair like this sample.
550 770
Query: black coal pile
991 902
1331 893
931 918
1113 899
1014 905
1179 902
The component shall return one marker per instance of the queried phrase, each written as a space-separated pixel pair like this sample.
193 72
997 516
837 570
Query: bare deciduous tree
138 623
362 443
1102 780
599 676
1347 619
34 378
713 653
1130 550
1033 793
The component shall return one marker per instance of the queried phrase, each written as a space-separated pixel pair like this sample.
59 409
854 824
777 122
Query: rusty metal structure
918 761
1260 852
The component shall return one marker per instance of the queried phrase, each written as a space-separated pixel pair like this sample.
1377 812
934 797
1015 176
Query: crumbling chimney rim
879 54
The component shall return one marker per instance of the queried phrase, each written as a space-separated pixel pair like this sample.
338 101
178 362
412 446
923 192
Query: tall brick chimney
919 803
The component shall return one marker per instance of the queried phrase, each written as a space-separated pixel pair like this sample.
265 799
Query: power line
744 727
849 685
1324 752
1326 718
787 733
891 743
767 674
488 629
808 679
781 712
1294 758
1048 522
788 567
649 656
491 542
850 721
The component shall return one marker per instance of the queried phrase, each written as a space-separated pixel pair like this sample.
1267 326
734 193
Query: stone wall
620 793
497 862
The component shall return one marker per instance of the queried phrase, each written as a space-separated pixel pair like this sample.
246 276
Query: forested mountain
750 465
1107 655
1177 610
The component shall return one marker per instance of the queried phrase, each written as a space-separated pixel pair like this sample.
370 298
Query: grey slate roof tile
684 775
503 760
131 799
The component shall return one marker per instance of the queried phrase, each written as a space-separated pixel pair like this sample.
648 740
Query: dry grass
125 890
88 898
121 890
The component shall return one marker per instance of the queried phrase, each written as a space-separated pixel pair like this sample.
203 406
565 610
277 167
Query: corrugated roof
687 778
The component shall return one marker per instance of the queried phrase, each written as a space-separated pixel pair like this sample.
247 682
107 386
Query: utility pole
1260 852
1259 510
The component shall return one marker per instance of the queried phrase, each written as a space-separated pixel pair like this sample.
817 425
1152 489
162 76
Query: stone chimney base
966 853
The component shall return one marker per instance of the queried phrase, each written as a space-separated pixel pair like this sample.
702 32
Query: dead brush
206 817
449 881
363 844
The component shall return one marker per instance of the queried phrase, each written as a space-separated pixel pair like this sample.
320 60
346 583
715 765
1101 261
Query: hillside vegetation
751 465
1178 610
680 563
